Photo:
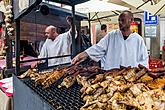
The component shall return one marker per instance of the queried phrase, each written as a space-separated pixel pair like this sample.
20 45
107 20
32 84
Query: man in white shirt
56 45
119 47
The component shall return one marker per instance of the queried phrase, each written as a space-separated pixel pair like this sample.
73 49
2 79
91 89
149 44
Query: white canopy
148 7
96 6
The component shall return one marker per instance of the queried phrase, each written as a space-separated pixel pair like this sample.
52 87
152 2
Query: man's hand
79 58
34 65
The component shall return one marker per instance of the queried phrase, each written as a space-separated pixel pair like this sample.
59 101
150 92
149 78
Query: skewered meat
105 84
157 84
103 98
101 106
28 73
129 73
119 72
41 78
138 88
130 104
53 77
138 75
116 96
88 97
152 100
98 78
123 88
116 106
156 75
68 81
145 79
88 103
156 70
82 80
98 92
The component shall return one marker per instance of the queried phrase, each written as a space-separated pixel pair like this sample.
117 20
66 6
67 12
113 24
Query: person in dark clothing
27 49
86 42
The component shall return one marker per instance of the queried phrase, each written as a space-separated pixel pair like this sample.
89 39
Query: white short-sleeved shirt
59 47
117 51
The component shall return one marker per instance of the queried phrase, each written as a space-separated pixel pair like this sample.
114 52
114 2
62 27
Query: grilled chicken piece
145 79
105 84
156 70
68 81
89 98
88 103
111 90
116 96
138 88
98 78
53 77
119 72
133 104
157 84
103 98
91 107
89 89
152 100
116 106
28 73
123 88
156 75
98 92
82 80
130 73
138 75
101 106
41 77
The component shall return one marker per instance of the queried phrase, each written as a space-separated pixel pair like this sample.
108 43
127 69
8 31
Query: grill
58 98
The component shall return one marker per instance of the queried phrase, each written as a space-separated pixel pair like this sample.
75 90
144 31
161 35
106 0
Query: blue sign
150 19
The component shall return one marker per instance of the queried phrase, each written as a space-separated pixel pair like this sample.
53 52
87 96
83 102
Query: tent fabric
148 7
96 6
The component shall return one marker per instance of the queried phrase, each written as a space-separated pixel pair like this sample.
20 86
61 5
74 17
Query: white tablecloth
6 103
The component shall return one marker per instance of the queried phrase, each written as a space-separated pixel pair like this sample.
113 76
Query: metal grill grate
58 98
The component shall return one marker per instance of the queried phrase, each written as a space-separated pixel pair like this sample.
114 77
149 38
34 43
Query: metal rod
94 15
17 46
73 33
115 13
8 51
98 18
143 4
38 59
160 9
89 22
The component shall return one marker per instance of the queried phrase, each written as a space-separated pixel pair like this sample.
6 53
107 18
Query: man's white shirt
117 51
59 47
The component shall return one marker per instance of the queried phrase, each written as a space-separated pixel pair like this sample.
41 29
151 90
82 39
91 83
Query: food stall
84 87
56 17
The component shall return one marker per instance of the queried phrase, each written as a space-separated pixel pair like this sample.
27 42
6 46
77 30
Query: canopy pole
160 9
89 22
143 4
73 33
17 46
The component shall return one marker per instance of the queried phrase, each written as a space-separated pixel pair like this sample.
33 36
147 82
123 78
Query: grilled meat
53 77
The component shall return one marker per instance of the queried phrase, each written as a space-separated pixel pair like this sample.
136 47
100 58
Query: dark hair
103 26
129 13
